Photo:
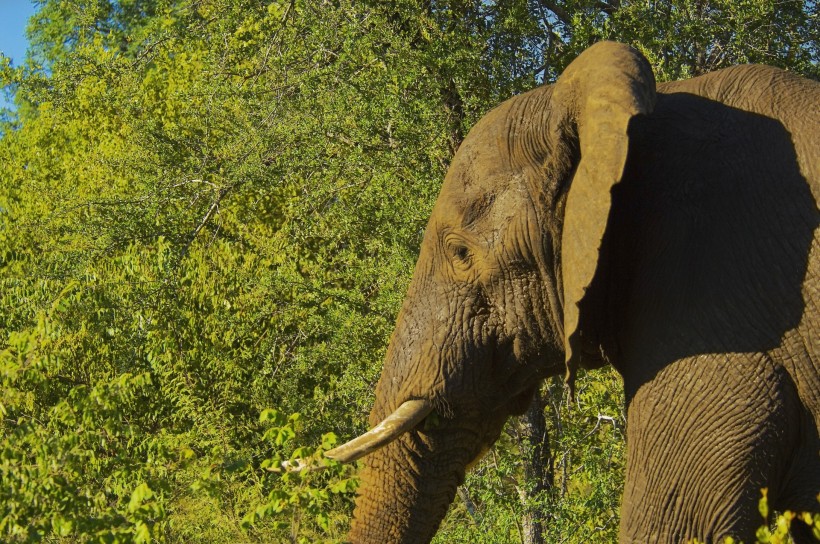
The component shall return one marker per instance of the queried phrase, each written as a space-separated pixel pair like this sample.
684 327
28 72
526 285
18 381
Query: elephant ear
600 92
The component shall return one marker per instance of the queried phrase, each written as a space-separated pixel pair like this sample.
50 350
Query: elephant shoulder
757 88
782 98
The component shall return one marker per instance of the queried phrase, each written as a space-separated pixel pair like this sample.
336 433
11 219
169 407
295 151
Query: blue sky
14 15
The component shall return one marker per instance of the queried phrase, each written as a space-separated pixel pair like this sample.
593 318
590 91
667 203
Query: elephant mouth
437 418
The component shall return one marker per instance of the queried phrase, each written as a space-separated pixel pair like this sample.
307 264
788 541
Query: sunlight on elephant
671 232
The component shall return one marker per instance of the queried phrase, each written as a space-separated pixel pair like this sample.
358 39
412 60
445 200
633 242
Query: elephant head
493 307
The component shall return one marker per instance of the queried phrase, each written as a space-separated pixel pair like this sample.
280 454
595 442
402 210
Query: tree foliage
209 212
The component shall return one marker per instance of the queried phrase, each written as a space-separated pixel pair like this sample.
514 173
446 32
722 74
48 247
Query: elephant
668 230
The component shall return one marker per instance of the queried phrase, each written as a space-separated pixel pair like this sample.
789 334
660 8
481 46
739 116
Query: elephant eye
461 253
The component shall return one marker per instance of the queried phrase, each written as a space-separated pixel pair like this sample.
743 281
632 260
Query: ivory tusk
406 416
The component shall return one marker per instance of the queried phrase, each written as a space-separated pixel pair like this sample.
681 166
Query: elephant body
720 360
671 232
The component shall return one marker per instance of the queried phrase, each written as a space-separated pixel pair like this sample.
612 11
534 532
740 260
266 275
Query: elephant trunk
406 489
409 483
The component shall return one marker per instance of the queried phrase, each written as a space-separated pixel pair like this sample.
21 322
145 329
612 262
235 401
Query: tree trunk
538 469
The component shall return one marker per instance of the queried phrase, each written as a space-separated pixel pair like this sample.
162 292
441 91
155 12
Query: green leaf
763 504
140 494
329 441
142 533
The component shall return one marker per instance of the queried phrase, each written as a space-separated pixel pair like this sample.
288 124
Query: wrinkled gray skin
673 235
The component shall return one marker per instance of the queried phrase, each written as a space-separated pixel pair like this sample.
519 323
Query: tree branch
559 12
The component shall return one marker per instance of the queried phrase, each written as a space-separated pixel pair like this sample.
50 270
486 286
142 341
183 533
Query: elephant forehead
480 158
476 183
485 211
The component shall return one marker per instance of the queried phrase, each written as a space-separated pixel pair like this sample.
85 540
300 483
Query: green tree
205 214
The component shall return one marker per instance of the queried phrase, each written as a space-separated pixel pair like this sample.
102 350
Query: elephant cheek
521 403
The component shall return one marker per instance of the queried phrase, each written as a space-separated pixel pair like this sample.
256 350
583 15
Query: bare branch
559 12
